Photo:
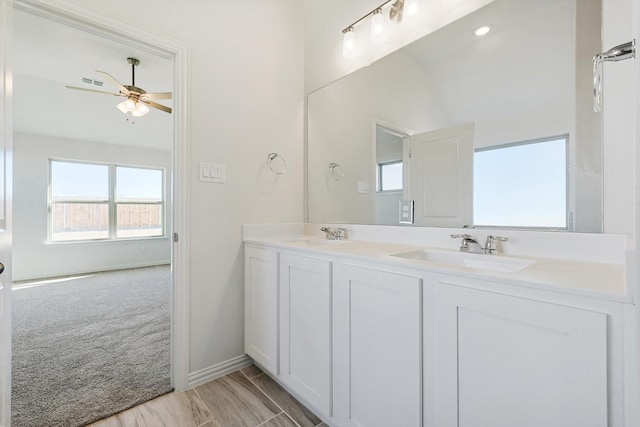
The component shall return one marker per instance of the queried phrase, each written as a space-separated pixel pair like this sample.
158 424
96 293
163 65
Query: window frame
567 172
379 177
111 202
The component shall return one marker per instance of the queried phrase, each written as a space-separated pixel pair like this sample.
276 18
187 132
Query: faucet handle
490 245
464 236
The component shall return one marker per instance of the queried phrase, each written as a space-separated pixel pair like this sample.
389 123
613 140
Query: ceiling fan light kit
137 100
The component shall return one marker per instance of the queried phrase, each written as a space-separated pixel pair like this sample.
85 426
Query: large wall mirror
495 130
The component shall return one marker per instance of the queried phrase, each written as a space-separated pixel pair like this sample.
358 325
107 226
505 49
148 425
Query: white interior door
439 176
6 130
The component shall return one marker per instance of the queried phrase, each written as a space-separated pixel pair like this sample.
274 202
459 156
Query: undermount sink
317 242
463 259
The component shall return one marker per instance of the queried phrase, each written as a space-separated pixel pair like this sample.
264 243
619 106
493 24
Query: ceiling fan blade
158 95
157 106
114 82
94 91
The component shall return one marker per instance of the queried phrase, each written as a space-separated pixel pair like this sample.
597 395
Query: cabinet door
305 328
261 307
378 357
503 361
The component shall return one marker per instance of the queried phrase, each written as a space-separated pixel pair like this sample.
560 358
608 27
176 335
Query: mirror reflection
494 130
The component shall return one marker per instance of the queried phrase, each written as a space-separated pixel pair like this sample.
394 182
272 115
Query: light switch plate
363 187
406 212
212 172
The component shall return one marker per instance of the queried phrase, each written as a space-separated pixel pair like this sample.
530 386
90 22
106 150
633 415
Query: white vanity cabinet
368 343
261 307
378 348
502 361
305 328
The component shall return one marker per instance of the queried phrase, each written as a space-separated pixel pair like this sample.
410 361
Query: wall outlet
406 212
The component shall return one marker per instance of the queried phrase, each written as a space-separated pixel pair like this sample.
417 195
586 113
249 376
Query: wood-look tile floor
246 398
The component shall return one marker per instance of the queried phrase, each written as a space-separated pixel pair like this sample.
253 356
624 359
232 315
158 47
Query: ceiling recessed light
482 31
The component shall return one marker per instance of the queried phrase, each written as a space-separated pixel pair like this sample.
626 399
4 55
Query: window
390 176
521 184
138 202
90 201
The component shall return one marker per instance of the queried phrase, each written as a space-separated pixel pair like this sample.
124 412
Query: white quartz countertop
591 279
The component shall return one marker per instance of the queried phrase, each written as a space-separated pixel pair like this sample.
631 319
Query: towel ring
336 171
278 167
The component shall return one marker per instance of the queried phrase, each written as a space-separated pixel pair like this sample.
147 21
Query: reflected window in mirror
389 176
522 184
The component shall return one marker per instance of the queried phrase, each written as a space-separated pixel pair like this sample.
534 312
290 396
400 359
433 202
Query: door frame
400 130
6 139
108 28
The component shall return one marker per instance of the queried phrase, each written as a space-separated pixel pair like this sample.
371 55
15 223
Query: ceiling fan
136 98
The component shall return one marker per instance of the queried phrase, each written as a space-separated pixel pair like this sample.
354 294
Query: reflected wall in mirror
527 81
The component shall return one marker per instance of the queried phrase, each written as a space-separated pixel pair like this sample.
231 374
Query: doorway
70 125
389 174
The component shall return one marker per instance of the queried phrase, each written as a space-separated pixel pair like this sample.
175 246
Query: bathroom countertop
590 279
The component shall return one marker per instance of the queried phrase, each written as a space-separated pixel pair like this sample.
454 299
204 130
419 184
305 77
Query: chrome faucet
471 245
331 234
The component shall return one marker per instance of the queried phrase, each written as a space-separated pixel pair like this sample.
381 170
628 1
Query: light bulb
140 110
348 43
411 7
130 104
377 27
123 107
483 31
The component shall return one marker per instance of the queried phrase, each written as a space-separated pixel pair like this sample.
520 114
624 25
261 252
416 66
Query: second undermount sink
463 259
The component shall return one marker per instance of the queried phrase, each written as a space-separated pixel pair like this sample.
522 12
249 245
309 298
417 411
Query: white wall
246 100
617 114
33 256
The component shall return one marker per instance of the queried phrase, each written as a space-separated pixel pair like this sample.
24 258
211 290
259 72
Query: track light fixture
377 31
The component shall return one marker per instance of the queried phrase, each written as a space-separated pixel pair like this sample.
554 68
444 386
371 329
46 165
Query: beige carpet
89 346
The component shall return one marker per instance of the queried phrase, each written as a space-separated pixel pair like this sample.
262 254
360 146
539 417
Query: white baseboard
91 270
219 370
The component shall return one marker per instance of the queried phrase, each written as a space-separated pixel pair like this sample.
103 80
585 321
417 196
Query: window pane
79 181
138 185
79 221
139 220
521 186
391 176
